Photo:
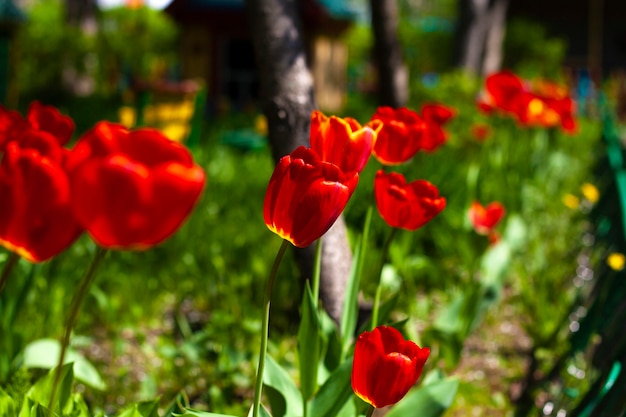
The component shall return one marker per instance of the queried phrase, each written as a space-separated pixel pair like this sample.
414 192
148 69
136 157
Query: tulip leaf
195 413
44 353
288 402
262 412
350 305
39 394
7 404
309 344
142 409
429 400
333 395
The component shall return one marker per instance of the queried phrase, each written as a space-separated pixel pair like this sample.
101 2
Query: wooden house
216 46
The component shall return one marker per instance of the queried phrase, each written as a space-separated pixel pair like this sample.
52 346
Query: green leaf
44 353
195 413
309 344
142 409
429 400
333 395
262 413
41 391
277 378
350 311
7 404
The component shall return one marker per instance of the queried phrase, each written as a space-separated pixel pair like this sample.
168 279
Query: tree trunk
287 101
480 35
393 88
495 37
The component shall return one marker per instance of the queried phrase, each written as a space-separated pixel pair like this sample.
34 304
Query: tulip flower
435 116
502 92
49 119
485 218
341 141
305 196
400 136
132 189
407 206
385 366
36 220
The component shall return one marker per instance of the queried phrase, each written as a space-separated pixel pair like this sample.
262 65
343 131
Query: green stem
317 271
370 411
258 385
8 267
73 314
383 258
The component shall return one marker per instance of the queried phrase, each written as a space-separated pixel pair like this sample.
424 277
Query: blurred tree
393 88
81 13
287 100
480 35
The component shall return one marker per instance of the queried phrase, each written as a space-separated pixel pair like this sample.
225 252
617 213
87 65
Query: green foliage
47 38
153 45
103 56
531 52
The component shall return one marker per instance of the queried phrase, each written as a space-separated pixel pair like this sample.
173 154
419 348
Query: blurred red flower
132 189
539 103
502 92
341 141
435 116
305 195
480 131
400 136
385 366
485 218
407 206
49 119
40 118
36 220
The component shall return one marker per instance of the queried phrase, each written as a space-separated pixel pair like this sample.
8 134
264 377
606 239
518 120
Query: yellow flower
571 201
616 261
590 192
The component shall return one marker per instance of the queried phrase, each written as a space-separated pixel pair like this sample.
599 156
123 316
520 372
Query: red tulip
485 219
305 196
49 119
435 116
36 220
385 366
503 91
400 136
132 189
341 141
408 206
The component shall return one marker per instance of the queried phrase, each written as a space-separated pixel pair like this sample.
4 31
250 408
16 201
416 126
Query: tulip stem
383 258
258 386
317 271
8 267
370 411
73 314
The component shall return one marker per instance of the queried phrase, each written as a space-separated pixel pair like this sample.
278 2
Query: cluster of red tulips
539 103
132 189
310 188
126 189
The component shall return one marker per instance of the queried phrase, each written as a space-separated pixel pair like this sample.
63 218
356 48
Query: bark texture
480 35
393 88
287 100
